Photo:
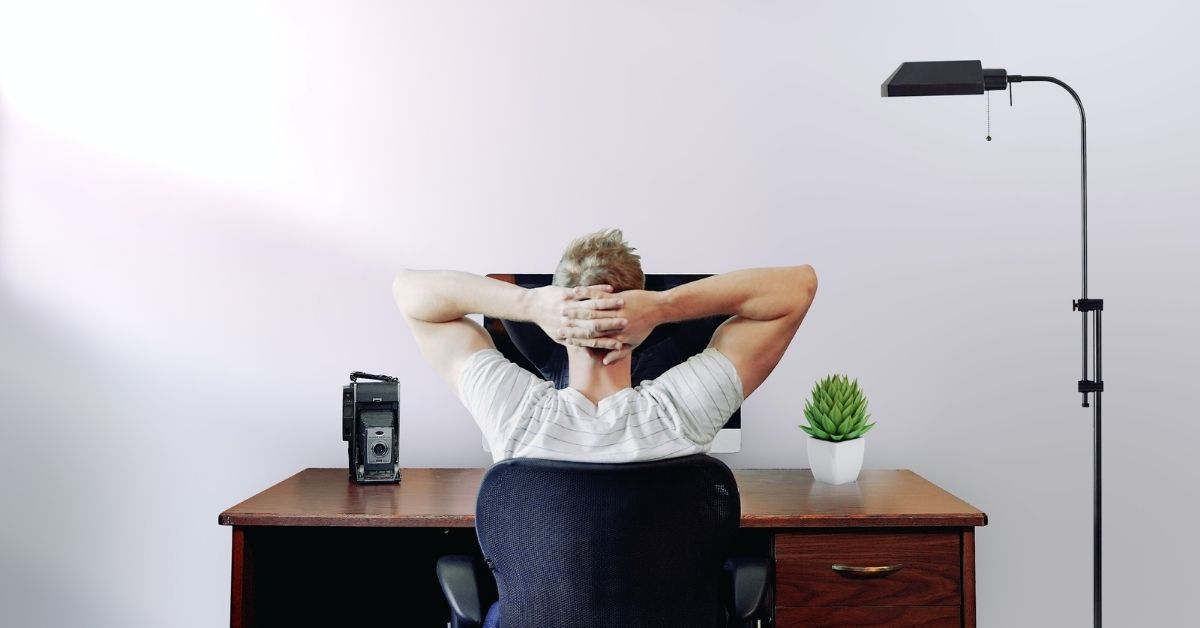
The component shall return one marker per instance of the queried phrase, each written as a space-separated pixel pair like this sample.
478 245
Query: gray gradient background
201 208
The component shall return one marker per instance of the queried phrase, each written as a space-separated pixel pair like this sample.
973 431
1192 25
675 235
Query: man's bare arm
767 306
436 303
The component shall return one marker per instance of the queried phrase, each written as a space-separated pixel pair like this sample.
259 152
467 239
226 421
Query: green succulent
837 410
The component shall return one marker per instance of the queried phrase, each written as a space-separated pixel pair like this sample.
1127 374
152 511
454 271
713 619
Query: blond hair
603 257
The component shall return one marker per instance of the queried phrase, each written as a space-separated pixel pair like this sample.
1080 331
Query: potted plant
837 419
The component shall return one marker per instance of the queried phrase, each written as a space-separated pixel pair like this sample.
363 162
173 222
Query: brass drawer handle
867 571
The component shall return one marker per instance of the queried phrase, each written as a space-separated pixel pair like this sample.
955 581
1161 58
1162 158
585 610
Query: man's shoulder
490 367
707 361
708 370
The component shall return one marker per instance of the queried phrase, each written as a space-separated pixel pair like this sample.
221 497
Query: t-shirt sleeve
494 391
702 392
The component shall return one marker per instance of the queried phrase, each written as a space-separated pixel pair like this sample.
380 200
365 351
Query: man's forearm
761 294
439 296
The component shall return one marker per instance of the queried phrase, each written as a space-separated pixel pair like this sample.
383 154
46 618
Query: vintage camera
370 418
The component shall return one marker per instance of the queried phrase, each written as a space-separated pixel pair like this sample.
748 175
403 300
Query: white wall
201 207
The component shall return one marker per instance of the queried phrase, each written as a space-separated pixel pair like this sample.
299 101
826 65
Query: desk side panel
968 567
241 578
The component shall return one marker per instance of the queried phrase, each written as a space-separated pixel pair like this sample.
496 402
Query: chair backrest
608 545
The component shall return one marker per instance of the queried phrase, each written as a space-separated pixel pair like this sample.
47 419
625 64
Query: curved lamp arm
1084 305
1017 78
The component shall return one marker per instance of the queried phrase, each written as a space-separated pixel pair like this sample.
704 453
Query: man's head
597 258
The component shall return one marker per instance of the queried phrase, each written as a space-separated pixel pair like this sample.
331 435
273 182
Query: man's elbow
400 288
804 289
809 275
805 282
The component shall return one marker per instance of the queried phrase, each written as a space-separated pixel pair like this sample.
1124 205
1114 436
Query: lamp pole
939 78
1086 385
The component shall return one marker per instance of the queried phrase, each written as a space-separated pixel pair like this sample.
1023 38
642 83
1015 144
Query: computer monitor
528 346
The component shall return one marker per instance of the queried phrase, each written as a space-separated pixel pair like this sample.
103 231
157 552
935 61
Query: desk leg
968 579
240 596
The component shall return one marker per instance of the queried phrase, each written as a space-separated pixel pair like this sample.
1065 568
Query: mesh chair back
608 545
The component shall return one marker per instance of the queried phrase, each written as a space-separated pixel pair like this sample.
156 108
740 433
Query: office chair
592 545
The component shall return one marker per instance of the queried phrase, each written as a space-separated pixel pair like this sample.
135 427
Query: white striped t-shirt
523 416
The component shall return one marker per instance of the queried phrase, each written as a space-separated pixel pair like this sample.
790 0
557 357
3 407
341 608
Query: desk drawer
931 572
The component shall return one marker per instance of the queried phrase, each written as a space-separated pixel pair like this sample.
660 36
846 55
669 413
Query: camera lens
379 449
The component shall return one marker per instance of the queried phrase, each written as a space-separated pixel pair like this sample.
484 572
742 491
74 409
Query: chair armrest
751 577
457 575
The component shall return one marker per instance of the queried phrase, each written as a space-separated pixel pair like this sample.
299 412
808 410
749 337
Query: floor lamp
945 78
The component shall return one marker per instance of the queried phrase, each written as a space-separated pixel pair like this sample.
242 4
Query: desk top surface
771 498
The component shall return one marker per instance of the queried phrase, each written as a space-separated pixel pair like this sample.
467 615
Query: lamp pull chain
989 115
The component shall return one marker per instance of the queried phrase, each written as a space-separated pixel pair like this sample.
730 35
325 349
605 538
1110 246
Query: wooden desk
320 549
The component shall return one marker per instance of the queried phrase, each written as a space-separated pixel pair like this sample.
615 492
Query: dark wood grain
438 498
930 575
771 498
890 616
968 577
791 498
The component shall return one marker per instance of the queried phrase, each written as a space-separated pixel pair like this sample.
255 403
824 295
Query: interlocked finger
602 303
592 292
591 329
594 308
606 324
573 313
569 333
595 343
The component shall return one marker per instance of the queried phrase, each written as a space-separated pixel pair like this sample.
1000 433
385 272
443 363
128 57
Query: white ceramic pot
835 463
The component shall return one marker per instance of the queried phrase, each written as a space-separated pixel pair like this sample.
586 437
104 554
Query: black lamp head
943 78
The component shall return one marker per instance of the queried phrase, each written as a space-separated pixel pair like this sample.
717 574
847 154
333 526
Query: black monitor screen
526 345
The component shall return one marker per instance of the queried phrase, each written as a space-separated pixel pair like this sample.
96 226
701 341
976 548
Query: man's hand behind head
588 322
549 305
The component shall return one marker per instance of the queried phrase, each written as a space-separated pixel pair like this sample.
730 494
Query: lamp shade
943 78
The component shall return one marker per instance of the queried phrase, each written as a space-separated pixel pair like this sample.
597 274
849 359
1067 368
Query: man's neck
590 376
